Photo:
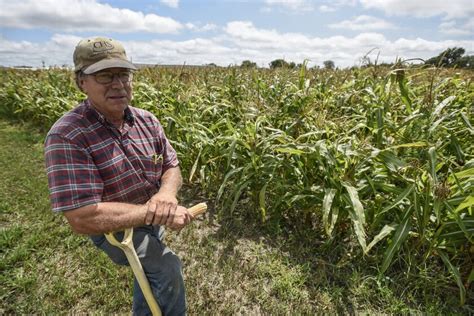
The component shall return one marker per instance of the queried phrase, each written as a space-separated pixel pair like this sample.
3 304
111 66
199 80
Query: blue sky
33 32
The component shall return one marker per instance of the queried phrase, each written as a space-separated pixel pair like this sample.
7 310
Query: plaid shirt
88 160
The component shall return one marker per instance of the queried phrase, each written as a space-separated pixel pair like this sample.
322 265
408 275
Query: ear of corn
198 209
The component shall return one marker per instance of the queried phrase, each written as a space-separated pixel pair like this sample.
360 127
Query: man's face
109 90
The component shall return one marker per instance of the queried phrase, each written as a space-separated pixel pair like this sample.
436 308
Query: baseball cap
95 54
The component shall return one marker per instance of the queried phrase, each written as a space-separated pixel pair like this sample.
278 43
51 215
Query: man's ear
80 80
81 85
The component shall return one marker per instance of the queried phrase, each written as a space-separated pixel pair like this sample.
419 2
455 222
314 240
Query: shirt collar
129 118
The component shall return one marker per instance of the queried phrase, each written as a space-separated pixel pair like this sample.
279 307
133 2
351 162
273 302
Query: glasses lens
104 77
125 76
108 77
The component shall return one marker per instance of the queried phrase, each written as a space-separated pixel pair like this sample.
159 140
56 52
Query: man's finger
158 214
164 210
150 213
189 215
172 215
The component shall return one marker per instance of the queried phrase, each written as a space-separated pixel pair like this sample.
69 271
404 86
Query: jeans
162 269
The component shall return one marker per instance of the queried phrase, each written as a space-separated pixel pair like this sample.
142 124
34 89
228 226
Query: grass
231 265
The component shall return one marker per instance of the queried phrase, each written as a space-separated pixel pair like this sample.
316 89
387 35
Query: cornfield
381 155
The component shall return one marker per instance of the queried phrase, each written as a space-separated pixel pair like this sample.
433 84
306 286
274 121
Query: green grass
45 267
231 266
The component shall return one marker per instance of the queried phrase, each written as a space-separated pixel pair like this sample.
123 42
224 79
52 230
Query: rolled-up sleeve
73 178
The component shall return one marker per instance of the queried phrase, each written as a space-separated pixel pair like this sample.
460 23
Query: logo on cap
102 46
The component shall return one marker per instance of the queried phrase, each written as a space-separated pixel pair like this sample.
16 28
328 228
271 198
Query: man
111 167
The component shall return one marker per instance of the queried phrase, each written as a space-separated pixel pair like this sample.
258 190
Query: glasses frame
114 75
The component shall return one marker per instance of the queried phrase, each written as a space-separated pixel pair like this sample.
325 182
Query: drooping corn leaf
357 215
384 232
398 200
455 272
327 203
399 237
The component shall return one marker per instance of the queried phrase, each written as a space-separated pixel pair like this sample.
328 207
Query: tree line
451 57
281 63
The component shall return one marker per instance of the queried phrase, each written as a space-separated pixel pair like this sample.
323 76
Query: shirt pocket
152 167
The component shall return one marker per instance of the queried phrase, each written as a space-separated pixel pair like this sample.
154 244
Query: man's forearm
103 217
171 181
106 217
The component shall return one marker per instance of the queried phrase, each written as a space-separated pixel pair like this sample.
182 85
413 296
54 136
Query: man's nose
116 81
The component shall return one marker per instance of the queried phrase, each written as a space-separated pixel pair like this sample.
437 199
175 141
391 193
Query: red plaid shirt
88 160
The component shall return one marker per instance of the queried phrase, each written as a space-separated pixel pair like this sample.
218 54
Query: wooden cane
127 246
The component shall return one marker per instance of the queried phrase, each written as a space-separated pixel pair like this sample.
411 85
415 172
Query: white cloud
57 51
363 23
335 5
204 28
345 51
191 52
241 40
422 8
171 3
293 5
325 8
351 3
452 28
85 15
209 27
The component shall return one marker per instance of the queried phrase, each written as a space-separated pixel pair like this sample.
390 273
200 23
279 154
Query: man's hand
161 209
181 218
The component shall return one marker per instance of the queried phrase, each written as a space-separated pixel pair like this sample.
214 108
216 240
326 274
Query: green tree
278 63
466 62
248 64
329 64
448 58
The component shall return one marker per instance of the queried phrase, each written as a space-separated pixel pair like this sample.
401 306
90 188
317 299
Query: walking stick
127 246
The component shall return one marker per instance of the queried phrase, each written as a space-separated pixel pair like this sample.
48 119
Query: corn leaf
231 152
291 151
357 205
432 154
442 105
400 235
457 277
237 195
390 160
409 145
193 169
385 231
327 203
226 178
468 173
468 124
463 222
398 200
261 202
467 203
402 84
357 215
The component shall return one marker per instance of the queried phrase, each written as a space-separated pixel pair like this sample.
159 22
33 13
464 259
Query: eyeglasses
108 77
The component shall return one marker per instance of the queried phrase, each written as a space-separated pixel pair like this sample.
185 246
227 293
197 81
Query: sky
198 32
